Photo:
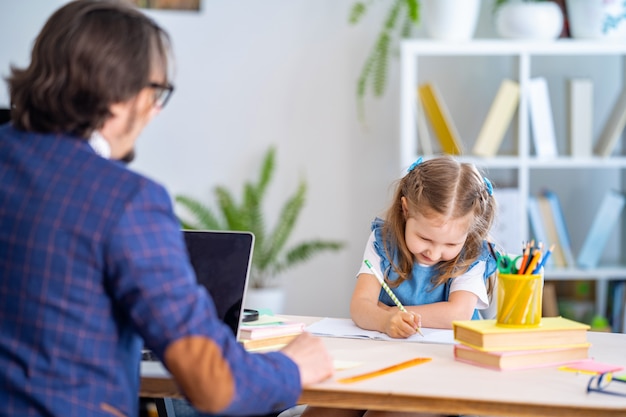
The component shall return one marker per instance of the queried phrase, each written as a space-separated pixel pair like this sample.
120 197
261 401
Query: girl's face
436 238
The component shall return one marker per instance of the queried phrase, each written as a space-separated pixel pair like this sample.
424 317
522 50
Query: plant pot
529 20
450 20
597 19
266 298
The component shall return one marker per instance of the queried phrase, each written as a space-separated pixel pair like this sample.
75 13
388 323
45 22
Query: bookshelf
469 74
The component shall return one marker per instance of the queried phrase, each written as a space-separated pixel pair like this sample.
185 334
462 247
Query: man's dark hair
90 54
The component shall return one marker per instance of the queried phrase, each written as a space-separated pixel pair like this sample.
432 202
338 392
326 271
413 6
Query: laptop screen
221 261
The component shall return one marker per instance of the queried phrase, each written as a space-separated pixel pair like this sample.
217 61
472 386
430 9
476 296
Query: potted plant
401 18
271 255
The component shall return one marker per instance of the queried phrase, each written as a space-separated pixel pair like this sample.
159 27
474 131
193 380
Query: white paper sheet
334 327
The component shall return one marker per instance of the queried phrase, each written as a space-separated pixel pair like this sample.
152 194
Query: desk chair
5 116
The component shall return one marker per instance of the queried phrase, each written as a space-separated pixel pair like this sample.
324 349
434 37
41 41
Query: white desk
448 386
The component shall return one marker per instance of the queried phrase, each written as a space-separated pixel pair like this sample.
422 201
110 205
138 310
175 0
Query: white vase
450 20
597 19
529 20
272 298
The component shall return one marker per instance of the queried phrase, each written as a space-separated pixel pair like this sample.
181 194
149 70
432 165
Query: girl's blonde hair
445 187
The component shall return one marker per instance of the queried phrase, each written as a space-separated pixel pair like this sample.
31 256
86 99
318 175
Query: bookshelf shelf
468 75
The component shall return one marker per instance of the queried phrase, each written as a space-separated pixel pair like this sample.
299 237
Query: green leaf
234 219
392 17
407 28
202 216
267 171
357 12
380 70
413 7
287 219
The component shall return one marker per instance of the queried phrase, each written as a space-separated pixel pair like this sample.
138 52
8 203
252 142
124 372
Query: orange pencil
533 263
393 368
524 259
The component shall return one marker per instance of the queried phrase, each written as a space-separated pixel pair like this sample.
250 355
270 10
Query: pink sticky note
591 367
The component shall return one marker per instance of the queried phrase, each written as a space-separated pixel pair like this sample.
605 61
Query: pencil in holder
519 300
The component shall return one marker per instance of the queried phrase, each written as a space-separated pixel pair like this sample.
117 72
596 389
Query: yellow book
551 333
440 119
498 119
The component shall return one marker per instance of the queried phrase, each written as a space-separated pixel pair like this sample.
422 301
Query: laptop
221 261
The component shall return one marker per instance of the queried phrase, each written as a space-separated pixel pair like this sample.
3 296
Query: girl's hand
401 325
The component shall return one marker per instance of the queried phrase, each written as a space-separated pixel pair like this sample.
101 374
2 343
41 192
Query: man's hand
312 358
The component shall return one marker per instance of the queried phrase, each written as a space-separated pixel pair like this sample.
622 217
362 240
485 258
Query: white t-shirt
471 281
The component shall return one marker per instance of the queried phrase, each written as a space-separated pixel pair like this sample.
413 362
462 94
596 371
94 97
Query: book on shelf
261 331
558 259
498 119
561 227
521 359
553 332
268 343
536 222
425 146
603 225
618 306
440 119
506 231
580 117
541 119
613 127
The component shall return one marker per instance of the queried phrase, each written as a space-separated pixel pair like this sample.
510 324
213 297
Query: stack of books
268 334
556 341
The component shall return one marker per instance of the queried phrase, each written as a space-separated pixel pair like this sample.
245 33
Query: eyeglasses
599 383
162 93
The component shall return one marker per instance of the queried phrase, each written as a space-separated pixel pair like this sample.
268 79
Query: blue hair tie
414 164
488 185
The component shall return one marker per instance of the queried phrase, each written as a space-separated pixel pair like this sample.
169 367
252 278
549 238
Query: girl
432 251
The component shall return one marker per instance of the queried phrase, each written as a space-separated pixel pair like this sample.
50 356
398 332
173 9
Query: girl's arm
368 314
460 306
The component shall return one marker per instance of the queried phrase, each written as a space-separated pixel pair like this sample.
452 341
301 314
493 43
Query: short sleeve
473 281
371 255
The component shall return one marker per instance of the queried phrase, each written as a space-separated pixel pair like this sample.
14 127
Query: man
92 261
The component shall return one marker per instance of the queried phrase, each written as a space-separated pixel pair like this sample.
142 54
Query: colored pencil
389 292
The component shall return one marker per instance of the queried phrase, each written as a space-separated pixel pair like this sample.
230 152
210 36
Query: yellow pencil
393 368
390 293
533 262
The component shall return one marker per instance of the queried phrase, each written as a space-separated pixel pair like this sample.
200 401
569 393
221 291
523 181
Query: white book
613 127
561 227
541 119
604 224
581 117
506 231
498 119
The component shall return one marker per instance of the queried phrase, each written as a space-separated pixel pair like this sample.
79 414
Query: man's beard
129 157
132 120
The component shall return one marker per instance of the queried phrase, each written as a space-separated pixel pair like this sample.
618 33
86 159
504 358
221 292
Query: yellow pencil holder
519 300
